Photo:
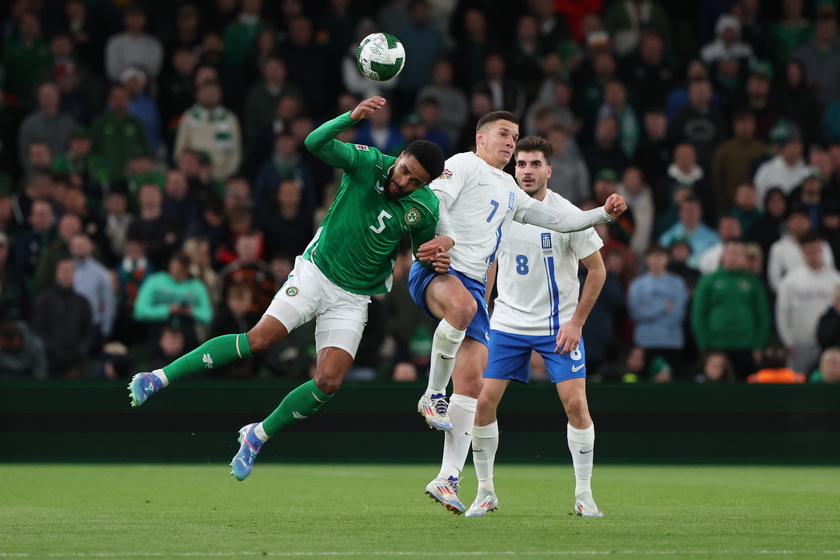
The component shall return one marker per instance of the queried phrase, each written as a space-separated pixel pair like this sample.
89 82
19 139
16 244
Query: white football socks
582 447
485 442
162 376
456 443
445 343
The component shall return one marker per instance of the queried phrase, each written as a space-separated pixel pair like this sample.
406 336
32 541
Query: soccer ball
380 56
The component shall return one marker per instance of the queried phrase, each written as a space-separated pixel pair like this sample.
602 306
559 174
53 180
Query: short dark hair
810 236
428 155
534 144
494 116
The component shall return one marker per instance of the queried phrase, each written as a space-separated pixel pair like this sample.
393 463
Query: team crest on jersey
446 175
412 216
546 240
292 291
362 147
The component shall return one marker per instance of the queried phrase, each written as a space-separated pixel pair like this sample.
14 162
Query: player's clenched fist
615 205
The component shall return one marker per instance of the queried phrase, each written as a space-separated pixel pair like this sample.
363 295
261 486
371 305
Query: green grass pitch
380 511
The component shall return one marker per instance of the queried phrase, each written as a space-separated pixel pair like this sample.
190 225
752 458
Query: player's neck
489 161
540 194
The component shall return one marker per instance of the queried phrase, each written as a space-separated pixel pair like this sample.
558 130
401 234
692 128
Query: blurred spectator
525 56
198 170
654 151
117 220
657 303
690 225
261 101
799 101
745 208
142 106
73 99
773 369
640 203
699 123
366 366
172 298
210 127
809 195
132 271
506 93
429 119
46 124
649 64
679 252
141 171
240 35
730 311
790 32
22 352
201 264
31 244
180 206
727 44
88 32
829 367
176 90
715 367
93 281
68 226
615 104
133 47
116 136
380 131
602 324
286 163
830 227
451 100
569 174
625 21
786 253
821 57
290 228
678 97
606 153
731 161
82 166
473 44
26 57
589 96
158 234
767 229
236 315
307 66
627 366
14 295
170 344
75 202
729 229
63 320
803 294
552 111
250 270
787 169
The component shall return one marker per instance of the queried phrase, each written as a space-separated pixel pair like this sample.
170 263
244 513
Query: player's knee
258 341
576 407
326 383
462 312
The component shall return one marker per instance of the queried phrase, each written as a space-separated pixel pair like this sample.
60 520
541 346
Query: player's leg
444 297
470 362
570 381
341 320
214 353
485 443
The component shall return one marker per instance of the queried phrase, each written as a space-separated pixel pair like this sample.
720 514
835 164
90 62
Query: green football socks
214 353
300 403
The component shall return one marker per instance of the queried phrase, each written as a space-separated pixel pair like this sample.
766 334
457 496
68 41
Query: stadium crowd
154 185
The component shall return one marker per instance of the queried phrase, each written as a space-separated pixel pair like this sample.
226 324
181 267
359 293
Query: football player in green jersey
381 198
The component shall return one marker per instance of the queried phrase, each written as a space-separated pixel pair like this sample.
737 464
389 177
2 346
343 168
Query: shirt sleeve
563 221
455 175
322 143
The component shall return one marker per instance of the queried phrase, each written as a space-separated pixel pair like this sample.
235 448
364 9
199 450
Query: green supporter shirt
730 311
358 241
114 141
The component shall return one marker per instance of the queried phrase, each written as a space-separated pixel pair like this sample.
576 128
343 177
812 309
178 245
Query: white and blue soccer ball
380 56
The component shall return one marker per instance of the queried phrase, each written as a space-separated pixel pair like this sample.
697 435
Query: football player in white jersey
478 202
538 309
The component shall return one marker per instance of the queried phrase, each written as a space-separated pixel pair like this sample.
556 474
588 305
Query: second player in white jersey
537 276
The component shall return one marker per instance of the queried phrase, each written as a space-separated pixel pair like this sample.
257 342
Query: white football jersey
537 275
486 201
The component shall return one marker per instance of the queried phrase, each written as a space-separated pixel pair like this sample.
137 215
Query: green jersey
358 241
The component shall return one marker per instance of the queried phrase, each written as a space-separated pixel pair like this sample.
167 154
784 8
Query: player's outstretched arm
322 142
543 215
